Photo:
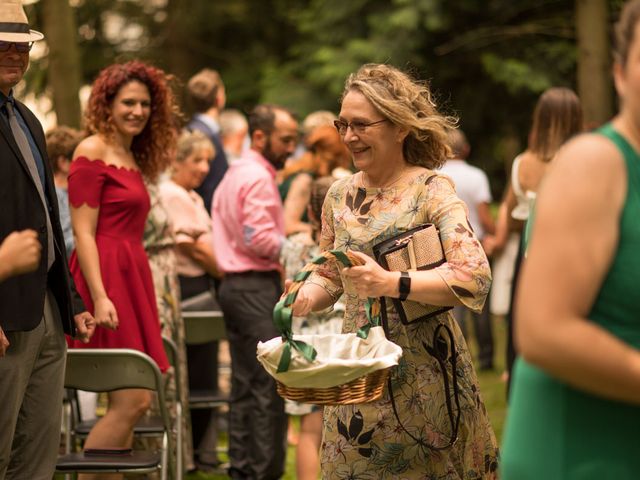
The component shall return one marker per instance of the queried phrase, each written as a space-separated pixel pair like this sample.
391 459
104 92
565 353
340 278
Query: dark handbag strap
439 351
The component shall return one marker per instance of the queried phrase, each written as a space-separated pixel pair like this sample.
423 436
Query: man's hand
85 326
19 253
4 343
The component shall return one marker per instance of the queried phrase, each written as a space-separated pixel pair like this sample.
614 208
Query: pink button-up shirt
247 216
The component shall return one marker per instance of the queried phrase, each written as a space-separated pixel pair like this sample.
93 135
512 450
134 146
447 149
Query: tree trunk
594 67
177 56
64 72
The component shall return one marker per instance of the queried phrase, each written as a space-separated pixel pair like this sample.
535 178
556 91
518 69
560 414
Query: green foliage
514 74
474 54
486 61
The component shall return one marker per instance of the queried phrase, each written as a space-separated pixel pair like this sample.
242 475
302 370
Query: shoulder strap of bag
440 352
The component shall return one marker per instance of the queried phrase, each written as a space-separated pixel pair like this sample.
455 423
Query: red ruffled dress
123 200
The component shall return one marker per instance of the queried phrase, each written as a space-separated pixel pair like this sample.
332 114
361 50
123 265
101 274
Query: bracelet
404 285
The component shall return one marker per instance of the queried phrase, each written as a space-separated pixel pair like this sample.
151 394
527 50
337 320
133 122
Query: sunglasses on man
21 47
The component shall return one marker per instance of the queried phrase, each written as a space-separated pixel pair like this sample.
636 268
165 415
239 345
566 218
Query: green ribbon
373 319
283 315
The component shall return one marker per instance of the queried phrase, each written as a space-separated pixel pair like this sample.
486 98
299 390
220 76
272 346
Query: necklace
388 184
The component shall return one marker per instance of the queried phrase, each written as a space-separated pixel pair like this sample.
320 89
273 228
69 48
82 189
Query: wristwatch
404 285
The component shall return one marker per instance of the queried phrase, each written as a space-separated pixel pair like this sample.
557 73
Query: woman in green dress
575 408
397 138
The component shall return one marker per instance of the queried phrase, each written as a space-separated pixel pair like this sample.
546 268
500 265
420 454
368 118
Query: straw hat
14 26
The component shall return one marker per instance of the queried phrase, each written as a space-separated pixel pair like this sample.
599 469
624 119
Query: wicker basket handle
283 313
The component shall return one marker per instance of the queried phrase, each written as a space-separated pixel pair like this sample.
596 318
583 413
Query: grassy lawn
491 385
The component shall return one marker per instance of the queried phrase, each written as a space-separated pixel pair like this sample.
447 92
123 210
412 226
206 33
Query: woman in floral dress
159 243
397 138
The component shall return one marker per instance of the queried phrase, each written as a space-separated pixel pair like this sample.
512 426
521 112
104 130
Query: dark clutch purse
416 249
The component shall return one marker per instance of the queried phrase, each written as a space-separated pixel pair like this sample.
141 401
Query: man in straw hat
36 308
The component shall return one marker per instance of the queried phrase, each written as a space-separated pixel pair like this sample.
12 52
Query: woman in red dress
130 119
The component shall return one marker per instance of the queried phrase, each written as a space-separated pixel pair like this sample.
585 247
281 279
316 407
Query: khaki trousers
31 388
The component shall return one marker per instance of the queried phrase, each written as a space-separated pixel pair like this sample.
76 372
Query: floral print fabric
159 244
365 441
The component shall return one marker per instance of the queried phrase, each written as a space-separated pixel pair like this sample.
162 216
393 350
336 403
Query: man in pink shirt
248 233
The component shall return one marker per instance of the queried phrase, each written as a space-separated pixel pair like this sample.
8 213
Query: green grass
492 388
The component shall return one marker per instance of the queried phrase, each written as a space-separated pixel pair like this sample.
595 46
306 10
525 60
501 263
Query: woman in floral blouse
397 138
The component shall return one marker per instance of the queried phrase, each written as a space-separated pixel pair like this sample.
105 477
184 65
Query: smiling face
131 109
190 172
376 147
13 64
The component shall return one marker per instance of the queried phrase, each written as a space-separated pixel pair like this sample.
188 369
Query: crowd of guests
143 210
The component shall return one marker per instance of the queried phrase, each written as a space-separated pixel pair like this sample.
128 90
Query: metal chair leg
179 468
165 458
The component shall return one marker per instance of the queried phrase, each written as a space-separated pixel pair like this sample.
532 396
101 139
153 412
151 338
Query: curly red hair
153 147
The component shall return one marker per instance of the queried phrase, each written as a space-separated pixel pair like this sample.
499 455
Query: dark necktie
27 154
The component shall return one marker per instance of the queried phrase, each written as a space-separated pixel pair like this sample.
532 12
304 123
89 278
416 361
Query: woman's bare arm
574 240
84 220
202 254
296 204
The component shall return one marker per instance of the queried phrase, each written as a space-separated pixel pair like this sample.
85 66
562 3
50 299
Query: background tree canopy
487 61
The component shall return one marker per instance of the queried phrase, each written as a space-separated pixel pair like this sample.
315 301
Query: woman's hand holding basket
303 304
297 300
349 368
369 279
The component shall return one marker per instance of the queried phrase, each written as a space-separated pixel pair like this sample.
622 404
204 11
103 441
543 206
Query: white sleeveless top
525 199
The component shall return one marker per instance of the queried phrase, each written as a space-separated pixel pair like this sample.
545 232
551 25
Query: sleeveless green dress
555 432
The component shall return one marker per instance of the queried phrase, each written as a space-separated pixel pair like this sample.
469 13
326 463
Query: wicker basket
361 390
365 388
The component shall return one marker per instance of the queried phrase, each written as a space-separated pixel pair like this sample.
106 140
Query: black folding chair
203 327
105 370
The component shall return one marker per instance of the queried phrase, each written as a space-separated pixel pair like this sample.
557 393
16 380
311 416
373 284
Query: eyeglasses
356 126
21 47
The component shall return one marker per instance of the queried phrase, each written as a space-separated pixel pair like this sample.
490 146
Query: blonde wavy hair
409 104
191 141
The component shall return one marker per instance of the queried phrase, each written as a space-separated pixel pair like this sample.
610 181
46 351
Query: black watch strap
404 285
